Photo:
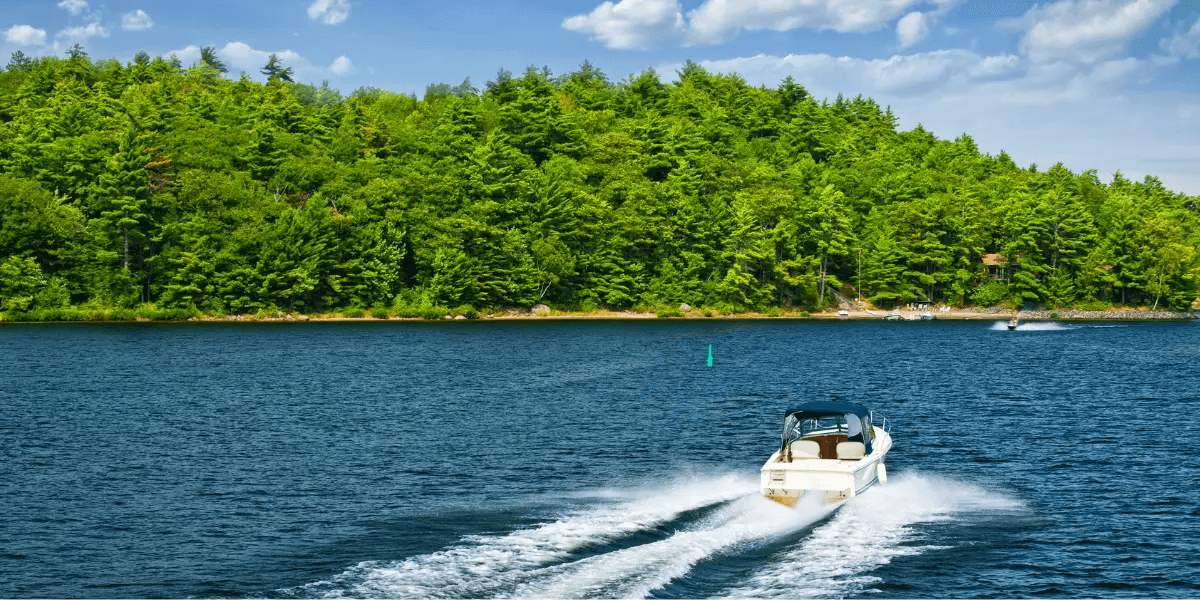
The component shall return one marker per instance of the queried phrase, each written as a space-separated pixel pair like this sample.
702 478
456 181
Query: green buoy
710 355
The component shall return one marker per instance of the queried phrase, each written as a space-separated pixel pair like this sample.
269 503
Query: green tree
574 190
1165 253
553 261
19 62
276 71
883 269
20 280
1071 234
295 260
1024 236
208 55
830 230
1120 221
124 192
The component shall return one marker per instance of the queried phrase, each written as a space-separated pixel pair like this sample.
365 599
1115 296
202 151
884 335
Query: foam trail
488 565
1037 326
837 559
637 571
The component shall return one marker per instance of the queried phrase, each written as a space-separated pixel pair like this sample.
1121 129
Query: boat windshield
799 426
795 427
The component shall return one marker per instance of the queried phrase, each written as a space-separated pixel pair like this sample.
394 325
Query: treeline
151 184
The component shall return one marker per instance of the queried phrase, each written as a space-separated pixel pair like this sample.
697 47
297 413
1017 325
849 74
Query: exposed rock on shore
1106 315
986 310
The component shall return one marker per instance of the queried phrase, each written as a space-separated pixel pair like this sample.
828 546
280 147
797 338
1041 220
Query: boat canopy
832 408
828 418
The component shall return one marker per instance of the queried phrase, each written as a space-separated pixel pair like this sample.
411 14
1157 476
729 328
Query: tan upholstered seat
805 449
851 450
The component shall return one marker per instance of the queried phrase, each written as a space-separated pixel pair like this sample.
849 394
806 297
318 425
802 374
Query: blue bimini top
820 409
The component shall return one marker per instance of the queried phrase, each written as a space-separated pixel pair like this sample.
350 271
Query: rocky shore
542 312
1000 313
1106 315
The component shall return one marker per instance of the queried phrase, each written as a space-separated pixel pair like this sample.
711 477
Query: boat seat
851 450
805 449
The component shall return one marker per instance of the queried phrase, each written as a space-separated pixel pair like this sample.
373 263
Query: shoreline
969 314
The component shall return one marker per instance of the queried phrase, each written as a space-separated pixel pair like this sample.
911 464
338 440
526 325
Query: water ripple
590 459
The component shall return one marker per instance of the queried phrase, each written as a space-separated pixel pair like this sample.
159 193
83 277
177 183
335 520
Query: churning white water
483 566
1033 326
833 559
635 572
837 558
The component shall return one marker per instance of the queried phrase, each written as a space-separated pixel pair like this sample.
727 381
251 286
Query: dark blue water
591 459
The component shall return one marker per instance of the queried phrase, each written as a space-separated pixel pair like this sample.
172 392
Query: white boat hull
835 480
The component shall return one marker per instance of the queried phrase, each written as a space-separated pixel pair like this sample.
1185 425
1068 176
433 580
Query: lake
591 459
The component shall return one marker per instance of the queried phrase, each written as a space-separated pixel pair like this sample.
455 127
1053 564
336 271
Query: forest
151 185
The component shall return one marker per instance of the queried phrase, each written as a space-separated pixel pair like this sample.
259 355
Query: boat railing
881 421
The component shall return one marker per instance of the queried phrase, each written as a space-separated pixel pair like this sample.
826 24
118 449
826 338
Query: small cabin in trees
996 264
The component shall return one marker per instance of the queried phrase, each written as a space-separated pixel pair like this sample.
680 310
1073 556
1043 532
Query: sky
1109 85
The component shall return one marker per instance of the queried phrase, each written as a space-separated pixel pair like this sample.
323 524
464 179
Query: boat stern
786 483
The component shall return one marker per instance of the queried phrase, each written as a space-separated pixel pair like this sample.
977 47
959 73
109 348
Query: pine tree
830 231
295 258
208 55
1123 271
19 62
123 193
191 280
1025 239
276 72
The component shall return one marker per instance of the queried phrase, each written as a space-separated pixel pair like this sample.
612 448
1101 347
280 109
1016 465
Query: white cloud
73 6
341 66
928 78
643 24
718 20
81 34
1085 30
25 35
1184 45
995 66
912 28
631 24
137 20
329 12
906 75
239 56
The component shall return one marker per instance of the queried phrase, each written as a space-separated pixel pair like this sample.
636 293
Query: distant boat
928 317
843 313
1013 324
892 317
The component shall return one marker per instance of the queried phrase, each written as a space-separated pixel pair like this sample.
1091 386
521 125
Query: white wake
835 559
1032 326
838 557
637 571
492 565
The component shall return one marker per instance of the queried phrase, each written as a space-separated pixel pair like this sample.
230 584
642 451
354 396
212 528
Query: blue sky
1110 85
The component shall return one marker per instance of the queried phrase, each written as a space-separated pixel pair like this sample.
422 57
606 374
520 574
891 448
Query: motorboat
928 316
832 449
1013 324
843 313
892 317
